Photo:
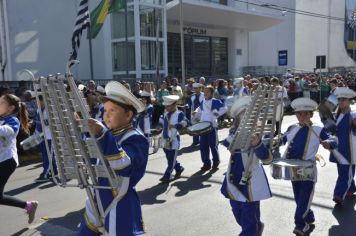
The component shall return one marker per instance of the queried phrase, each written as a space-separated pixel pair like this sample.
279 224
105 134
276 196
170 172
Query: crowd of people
124 116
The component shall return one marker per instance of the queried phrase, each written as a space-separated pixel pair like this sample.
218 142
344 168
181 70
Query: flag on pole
81 23
98 15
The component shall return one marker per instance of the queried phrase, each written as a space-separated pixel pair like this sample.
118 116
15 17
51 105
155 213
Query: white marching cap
304 104
145 94
238 80
81 87
202 78
239 105
117 92
32 93
170 99
344 92
100 89
197 85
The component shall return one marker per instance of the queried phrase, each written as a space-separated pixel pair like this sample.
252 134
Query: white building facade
221 37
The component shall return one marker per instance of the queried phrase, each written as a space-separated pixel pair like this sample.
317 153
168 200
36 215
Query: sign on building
282 57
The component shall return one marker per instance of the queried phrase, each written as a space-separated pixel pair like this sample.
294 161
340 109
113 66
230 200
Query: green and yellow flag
98 15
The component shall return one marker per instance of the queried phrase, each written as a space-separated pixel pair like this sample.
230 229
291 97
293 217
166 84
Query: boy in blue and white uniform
245 196
99 108
240 90
45 175
193 103
144 119
303 141
126 150
172 121
210 110
345 155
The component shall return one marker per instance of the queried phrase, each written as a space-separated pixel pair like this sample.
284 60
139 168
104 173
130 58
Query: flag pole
182 42
90 49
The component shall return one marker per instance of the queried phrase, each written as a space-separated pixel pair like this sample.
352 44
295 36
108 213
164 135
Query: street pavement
191 205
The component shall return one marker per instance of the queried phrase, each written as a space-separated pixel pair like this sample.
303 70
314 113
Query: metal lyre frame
73 145
261 109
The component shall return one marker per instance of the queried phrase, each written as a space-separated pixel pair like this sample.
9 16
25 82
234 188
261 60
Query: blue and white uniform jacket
192 105
9 128
239 92
38 128
303 143
170 137
346 149
99 113
257 187
144 121
207 108
127 152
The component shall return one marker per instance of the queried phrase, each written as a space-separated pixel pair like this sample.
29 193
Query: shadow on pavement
22 189
188 149
34 167
65 225
149 195
20 232
194 182
346 216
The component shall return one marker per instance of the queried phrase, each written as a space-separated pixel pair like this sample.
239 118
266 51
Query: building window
203 55
123 56
118 24
150 21
149 54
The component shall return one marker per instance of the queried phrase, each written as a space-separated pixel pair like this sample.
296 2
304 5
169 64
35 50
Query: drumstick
331 150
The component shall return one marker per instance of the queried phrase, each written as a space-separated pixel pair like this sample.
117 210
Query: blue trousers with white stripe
45 159
247 215
303 196
345 180
171 155
209 142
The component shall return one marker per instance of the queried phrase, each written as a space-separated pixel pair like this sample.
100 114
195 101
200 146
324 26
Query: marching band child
126 150
172 121
10 108
303 141
144 119
45 175
193 103
245 194
210 110
98 113
346 126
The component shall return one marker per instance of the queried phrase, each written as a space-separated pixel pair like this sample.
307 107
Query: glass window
149 55
202 55
123 56
150 19
219 56
118 24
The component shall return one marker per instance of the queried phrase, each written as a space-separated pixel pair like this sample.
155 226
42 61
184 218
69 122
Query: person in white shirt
210 110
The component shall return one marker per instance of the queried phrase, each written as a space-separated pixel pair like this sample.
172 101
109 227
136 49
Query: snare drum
32 141
331 102
200 128
292 169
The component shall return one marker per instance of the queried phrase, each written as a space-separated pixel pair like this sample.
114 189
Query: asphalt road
191 205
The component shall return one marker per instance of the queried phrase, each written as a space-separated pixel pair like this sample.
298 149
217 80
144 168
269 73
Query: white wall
264 45
238 39
40 39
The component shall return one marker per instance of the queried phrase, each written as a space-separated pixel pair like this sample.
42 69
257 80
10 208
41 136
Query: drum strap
319 158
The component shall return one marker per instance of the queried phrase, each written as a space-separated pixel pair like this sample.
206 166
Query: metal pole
90 50
126 42
182 42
